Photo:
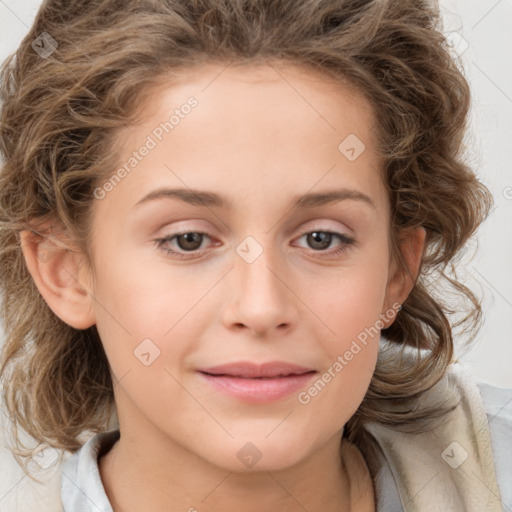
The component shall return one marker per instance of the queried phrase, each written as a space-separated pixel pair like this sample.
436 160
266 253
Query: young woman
219 222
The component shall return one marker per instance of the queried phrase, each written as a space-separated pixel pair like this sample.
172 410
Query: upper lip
248 370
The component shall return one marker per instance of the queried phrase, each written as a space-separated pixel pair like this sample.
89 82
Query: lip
257 383
250 370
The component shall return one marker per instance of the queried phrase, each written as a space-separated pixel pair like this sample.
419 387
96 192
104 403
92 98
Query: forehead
256 92
267 127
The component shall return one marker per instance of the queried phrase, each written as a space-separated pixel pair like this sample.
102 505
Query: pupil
191 241
319 237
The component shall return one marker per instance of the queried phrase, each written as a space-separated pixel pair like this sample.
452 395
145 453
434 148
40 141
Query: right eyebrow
190 196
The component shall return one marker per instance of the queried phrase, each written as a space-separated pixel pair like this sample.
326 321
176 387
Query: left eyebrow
314 199
204 198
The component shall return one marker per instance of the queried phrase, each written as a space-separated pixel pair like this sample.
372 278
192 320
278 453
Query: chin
259 455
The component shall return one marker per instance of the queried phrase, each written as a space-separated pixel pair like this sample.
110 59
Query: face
253 232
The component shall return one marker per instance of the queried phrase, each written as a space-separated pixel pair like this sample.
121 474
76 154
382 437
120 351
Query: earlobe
60 276
403 276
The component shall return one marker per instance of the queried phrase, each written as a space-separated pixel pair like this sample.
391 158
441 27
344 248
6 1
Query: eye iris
192 241
319 237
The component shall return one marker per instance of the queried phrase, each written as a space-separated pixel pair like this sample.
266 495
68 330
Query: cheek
352 313
350 306
148 299
334 397
349 300
150 318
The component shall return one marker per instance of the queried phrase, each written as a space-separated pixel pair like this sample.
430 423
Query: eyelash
345 240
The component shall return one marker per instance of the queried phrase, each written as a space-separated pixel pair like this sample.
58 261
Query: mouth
253 383
249 370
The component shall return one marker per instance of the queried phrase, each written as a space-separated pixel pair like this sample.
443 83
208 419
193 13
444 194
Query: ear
403 275
61 276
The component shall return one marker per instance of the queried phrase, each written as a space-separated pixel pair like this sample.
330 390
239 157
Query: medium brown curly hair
60 115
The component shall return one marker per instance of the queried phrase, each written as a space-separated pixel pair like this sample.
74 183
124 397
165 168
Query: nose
261 298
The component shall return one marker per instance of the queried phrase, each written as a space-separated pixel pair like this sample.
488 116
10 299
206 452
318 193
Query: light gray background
484 44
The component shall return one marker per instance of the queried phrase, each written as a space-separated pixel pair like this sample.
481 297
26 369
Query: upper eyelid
181 231
303 232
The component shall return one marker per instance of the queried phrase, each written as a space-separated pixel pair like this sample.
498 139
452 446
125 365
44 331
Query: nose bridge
258 279
259 300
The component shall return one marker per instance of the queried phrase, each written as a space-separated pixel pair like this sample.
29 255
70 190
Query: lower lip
259 391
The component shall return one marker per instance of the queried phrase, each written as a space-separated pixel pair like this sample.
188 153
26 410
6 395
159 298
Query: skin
259 143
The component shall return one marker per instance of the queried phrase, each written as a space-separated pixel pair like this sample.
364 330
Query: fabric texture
463 464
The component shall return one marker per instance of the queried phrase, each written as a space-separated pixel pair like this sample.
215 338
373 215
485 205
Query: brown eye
189 241
319 239
183 245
